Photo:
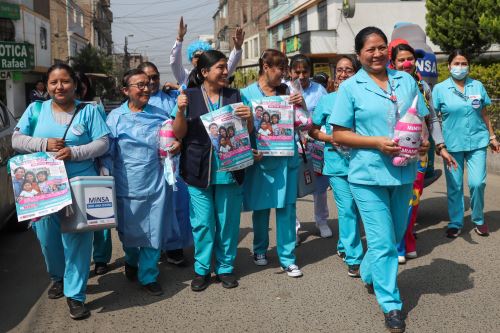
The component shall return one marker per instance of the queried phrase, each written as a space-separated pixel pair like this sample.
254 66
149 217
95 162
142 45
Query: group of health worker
356 123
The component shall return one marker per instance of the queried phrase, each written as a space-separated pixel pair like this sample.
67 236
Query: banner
316 149
230 138
40 185
273 122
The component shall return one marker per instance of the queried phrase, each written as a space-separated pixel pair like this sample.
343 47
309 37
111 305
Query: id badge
475 101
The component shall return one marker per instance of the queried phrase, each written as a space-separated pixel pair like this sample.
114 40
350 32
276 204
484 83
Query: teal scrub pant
146 260
349 236
67 255
285 233
476 175
102 246
384 212
215 218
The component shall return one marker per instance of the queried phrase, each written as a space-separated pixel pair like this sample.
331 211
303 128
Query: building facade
97 24
325 29
25 49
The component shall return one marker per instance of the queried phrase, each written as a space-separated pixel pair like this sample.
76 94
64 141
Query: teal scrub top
363 106
271 182
216 177
461 114
87 126
336 163
165 101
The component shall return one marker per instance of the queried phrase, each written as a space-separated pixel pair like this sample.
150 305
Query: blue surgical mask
459 72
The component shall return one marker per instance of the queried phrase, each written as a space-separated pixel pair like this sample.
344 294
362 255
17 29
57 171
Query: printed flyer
230 138
273 121
40 185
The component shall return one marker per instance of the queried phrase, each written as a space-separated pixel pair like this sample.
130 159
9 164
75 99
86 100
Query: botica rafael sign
16 56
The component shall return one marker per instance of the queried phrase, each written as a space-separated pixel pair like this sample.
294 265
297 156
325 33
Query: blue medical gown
144 199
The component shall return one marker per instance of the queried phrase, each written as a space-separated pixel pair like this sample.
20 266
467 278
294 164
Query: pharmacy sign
16 56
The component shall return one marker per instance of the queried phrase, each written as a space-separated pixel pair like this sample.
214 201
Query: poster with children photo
229 136
40 185
273 123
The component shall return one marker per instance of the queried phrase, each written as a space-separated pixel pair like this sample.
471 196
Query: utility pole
126 60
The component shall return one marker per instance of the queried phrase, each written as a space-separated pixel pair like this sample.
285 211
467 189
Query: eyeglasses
141 85
346 70
154 77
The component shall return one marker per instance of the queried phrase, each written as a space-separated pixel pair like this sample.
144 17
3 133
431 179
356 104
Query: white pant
320 210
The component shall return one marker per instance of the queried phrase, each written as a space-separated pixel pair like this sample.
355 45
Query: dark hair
65 67
39 81
231 128
26 182
271 57
362 36
212 125
206 60
43 172
402 47
29 173
222 128
143 65
129 74
83 79
355 63
300 59
321 78
15 170
456 53
268 114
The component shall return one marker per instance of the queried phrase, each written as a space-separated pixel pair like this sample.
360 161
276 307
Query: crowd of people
354 122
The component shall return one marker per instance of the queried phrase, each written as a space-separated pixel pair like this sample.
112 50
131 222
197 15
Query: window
303 21
287 29
274 36
275 3
322 15
246 50
7 30
256 47
43 38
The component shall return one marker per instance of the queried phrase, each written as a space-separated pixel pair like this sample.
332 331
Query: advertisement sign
16 56
10 11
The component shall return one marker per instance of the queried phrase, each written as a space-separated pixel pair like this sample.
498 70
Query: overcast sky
154 25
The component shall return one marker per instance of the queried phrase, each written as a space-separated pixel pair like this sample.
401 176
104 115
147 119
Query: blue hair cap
198 45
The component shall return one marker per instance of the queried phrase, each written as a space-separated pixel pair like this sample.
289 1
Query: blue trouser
146 260
476 175
384 211
215 219
285 233
349 236
102 246
67 255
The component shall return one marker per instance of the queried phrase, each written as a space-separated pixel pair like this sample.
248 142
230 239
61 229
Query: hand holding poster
273 122
229 136
40 185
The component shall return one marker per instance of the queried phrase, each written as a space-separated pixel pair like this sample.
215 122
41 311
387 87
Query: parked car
7 203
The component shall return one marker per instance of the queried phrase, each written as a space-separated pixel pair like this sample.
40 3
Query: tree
470 25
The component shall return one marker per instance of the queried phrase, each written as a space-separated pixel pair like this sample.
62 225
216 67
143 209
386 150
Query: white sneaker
260 259
402 259
411 255
293 271
325 231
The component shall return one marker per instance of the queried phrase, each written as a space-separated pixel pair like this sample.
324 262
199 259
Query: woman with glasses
194 51
336 167
144 199
272 181
178 233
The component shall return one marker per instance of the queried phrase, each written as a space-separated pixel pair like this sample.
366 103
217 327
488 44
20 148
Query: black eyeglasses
154 77
141 85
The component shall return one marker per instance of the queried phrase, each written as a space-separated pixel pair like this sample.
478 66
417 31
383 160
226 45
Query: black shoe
369 289
353 271
77 309
131 272
228 280
395 322
175 257
56 290
153 289
453 232
200 282
100 268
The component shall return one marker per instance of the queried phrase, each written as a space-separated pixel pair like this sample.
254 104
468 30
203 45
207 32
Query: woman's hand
64 154
256 155
448 159
296 98
495 146
182 102
387 146
181 31
175 148
424 147
243 112
54 145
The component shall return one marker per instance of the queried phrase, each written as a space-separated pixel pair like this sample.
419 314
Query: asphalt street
451 287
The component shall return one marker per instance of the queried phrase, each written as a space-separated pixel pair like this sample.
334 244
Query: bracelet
493 137
439 148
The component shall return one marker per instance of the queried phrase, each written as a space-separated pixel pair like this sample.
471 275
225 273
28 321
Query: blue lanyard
211 106
262 91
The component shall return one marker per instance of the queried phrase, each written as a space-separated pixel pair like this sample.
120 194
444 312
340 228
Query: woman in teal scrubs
216 196
462 102
365 113
67 255
272 181
336 166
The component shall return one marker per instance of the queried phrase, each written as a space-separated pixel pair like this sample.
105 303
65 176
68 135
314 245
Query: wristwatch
439 147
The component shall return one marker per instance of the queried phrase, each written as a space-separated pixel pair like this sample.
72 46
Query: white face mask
459 72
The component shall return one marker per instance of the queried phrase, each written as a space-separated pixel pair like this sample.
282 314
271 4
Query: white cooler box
94 205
